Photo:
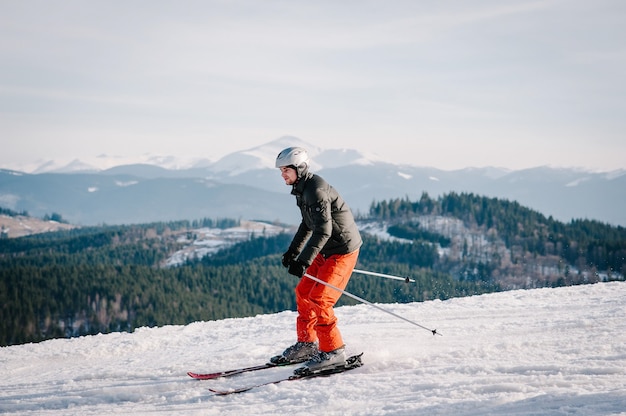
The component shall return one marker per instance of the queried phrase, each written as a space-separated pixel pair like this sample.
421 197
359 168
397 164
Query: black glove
297 268
288 257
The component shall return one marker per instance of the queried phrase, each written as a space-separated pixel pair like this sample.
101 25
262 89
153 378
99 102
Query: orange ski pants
316 319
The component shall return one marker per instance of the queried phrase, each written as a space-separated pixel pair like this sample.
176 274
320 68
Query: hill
549 352
12 226
118 278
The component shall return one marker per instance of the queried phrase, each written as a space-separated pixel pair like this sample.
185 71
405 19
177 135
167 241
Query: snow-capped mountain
245 184
104 162
259 157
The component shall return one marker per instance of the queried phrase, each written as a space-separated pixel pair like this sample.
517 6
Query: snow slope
529 352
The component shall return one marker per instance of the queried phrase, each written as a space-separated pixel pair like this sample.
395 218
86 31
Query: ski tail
351 363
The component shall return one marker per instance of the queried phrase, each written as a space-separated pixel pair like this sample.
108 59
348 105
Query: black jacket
327 225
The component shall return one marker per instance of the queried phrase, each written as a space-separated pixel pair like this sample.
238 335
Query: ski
351 363
229 373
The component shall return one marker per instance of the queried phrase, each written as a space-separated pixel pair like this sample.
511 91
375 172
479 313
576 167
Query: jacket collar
298 187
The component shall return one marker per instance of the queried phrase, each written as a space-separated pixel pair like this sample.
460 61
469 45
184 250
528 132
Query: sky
447 84
549 352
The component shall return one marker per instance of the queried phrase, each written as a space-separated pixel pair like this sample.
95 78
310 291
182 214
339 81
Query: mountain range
246 185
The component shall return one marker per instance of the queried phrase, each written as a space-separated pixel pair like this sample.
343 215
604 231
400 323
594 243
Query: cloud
367 73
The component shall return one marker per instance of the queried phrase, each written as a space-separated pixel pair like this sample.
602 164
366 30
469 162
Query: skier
326 245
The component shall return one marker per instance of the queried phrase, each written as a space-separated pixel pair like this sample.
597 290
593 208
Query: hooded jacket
327 226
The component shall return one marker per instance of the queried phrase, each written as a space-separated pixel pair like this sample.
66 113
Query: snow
615 174
379 230
529 352
124 184
205 241
577 182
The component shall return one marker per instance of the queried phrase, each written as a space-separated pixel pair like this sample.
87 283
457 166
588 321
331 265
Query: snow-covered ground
205 241
529 352
20 225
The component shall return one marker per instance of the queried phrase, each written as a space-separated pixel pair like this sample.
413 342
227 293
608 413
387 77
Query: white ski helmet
295 157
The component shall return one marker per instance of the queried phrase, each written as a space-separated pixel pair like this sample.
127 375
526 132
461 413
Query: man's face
289 175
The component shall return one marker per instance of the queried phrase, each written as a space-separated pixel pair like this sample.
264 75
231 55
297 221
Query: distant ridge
246 184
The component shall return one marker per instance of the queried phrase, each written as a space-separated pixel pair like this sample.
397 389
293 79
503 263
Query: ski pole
387 276
434 331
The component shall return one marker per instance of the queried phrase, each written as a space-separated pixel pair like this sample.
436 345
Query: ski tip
207 376
235 391
198 376
227 392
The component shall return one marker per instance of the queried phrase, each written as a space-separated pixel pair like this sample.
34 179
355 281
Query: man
326 245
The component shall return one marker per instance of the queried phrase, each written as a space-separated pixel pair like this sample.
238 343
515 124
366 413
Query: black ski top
327 225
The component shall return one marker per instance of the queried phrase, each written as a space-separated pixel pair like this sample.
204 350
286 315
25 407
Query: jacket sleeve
299 238
320 216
